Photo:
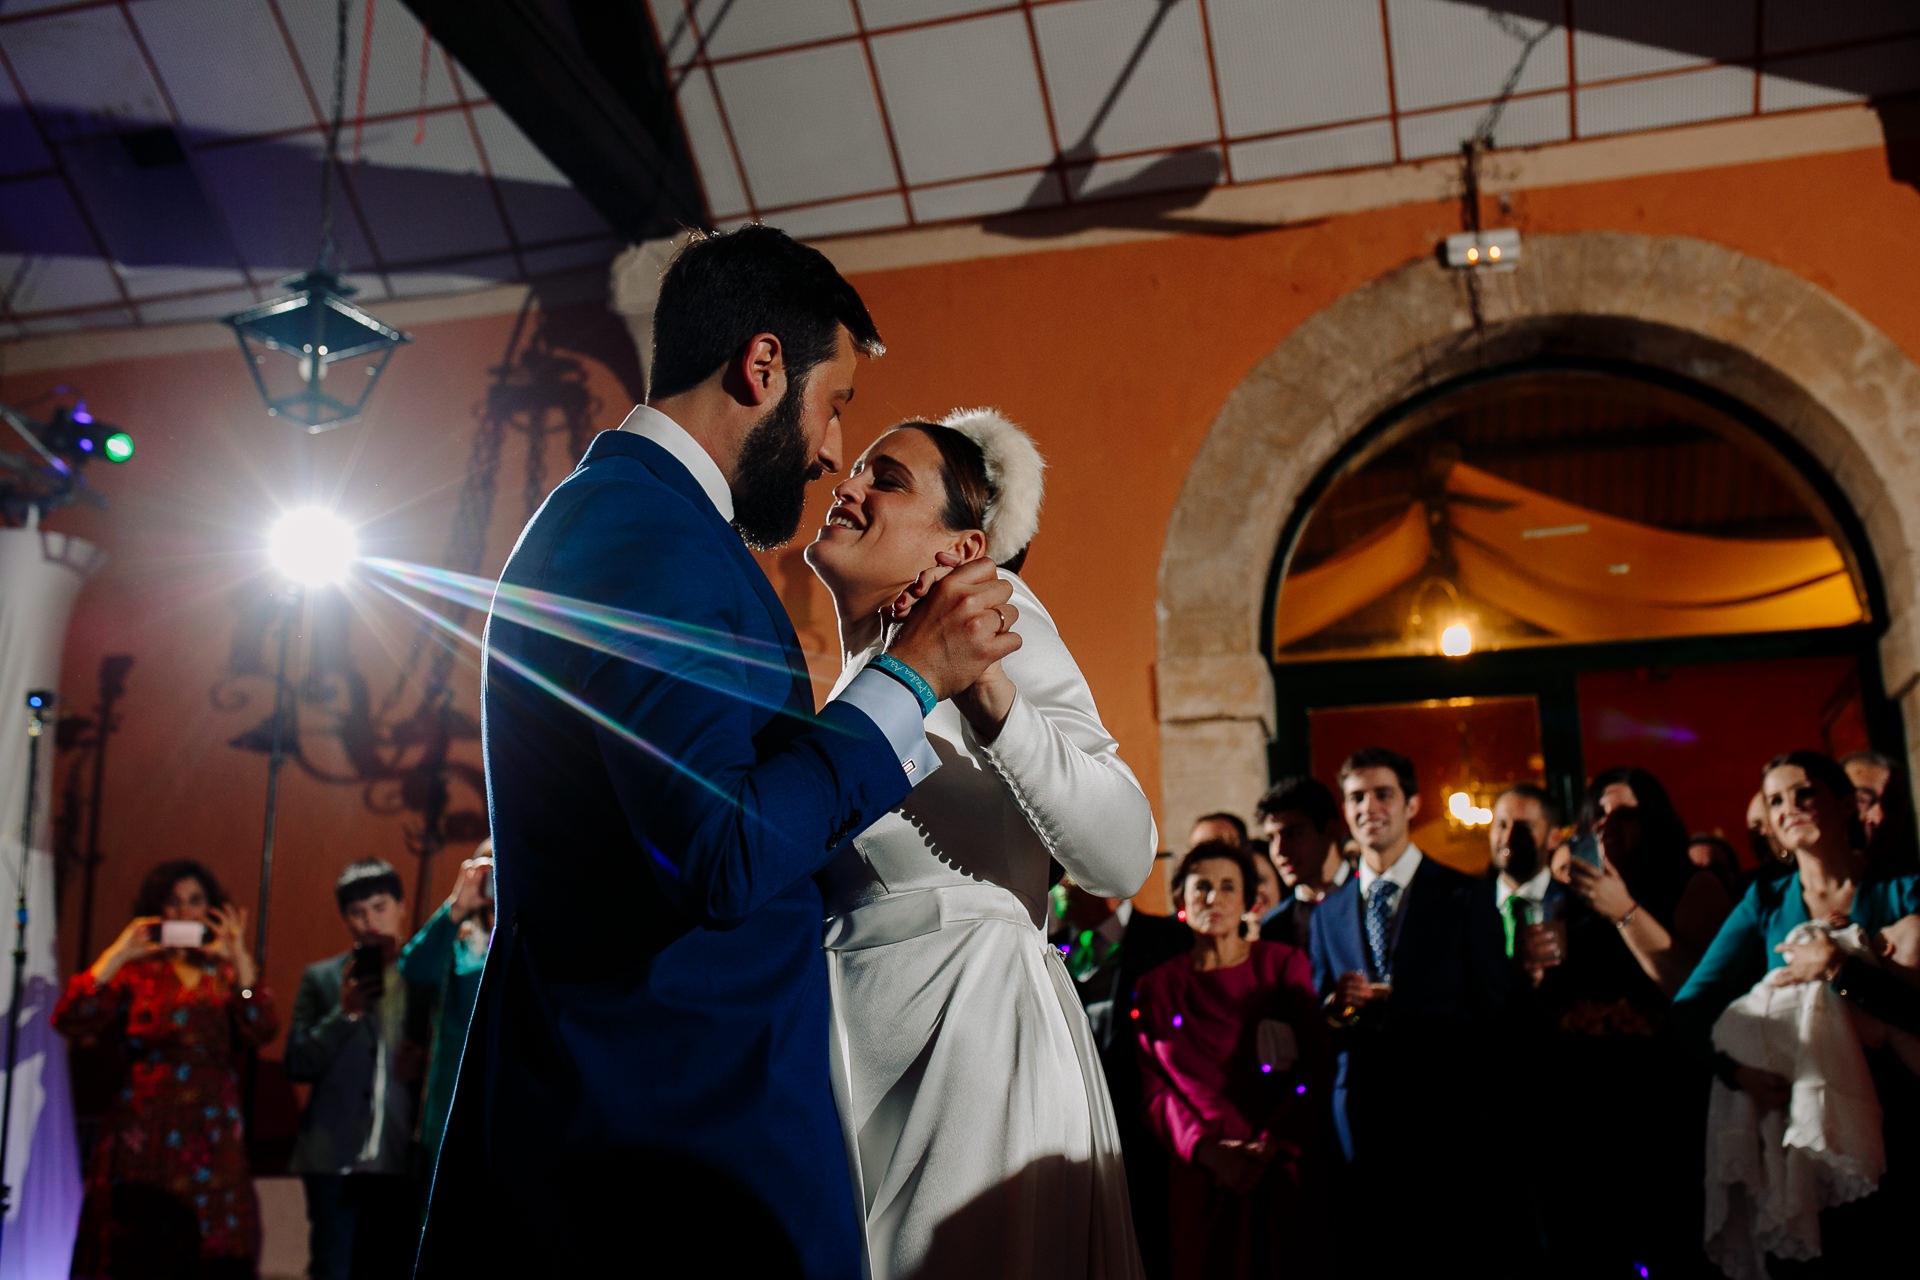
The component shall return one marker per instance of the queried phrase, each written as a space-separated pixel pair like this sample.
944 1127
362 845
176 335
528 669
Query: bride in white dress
978 1124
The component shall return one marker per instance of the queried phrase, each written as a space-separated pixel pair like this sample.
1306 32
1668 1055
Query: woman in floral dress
169 1191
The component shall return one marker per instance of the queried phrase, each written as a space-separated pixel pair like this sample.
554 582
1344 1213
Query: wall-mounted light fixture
1497 250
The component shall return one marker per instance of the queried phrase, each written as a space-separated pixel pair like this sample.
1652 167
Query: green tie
1514 914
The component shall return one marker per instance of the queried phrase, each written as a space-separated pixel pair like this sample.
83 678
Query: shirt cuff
896 713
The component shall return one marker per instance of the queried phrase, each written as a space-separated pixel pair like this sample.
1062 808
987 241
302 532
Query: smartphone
182 933
1586 847
370 966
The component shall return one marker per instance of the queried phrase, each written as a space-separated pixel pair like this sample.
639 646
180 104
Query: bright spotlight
1456 641
313 546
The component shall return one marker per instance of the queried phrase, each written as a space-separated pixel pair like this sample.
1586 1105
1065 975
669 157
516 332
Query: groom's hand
963 626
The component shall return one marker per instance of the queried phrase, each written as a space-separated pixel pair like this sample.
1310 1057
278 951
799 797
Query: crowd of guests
375 1034
1337 1057
1341 1057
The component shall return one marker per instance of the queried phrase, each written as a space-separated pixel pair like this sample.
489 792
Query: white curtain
40 574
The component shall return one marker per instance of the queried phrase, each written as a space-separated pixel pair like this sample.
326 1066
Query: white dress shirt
1534 890
649 423
1400 873
892 707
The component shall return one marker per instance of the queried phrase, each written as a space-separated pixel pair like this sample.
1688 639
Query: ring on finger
1003 620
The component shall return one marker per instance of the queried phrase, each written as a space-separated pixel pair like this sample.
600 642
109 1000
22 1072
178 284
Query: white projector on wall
1484 250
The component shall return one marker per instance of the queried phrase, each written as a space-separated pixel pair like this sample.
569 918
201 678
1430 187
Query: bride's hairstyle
994 479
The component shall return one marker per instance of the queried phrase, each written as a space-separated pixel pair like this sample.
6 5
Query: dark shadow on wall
397 745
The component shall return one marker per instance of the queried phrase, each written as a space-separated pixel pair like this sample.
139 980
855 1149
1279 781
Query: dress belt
900 916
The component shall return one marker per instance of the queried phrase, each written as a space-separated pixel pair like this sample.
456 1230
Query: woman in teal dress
446 957
1811 809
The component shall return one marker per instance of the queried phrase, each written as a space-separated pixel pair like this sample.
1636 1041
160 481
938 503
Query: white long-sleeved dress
978 1123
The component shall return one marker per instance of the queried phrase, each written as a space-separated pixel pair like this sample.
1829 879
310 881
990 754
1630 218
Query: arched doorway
1723 324
1537 571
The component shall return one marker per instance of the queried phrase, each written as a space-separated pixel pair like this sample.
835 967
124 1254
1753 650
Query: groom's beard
770 482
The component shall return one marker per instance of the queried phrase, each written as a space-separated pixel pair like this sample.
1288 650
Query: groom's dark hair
725 287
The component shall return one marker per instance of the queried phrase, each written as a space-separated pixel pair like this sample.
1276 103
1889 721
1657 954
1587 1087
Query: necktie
1515 914
1380 926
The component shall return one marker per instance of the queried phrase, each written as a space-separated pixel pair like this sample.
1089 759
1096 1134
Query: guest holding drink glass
1234 1065
1412 954
1530 901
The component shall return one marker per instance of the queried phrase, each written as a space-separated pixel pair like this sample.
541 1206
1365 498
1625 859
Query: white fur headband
1015 473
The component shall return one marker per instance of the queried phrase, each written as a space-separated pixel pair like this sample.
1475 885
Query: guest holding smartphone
1630 865
446 959
357 1036
169 1191
1644 916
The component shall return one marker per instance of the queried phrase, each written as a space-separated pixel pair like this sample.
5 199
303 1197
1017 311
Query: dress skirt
973 1097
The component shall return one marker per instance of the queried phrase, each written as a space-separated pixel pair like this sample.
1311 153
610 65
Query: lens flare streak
677 649
587 709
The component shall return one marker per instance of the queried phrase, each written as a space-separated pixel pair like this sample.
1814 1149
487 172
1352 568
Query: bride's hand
985 703
901 605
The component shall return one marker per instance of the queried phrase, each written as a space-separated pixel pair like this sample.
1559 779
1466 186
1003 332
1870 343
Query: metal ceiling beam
586 83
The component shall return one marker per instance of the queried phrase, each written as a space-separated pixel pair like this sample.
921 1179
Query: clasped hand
1236 1164
955 624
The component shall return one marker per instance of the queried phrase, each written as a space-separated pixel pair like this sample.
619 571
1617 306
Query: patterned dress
172 1151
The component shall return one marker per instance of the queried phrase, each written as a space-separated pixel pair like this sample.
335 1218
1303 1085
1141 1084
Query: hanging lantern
315 327
291 343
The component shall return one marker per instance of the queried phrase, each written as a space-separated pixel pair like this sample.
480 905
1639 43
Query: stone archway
1745 327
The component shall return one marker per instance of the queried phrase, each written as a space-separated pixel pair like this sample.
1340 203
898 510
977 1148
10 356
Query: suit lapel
671 472
777 615
1349 930
1418 888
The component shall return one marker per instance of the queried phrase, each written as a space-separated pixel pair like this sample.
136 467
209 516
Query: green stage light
118 447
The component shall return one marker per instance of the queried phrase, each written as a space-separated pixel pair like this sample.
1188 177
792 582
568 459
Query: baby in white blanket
1770 1173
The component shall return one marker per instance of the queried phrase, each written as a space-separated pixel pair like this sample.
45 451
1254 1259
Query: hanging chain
328 250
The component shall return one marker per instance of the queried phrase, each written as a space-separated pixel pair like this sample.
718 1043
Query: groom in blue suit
647 1066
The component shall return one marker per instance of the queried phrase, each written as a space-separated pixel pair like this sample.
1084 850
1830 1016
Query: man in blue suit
646 1071
1409 958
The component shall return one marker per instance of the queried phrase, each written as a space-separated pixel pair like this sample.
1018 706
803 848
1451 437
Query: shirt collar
649 423
1534 890
1401 872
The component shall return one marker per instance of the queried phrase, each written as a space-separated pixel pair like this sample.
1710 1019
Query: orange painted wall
1118 358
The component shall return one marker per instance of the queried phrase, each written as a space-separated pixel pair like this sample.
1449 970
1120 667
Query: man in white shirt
652 1027
1408 958
1524 890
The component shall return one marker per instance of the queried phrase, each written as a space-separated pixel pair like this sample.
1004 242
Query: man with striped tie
1410 959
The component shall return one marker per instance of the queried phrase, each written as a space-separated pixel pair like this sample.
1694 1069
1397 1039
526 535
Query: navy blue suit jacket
1434 1034
648 1057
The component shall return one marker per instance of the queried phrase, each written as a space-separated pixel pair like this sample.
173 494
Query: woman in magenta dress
169 1191
1236 1066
